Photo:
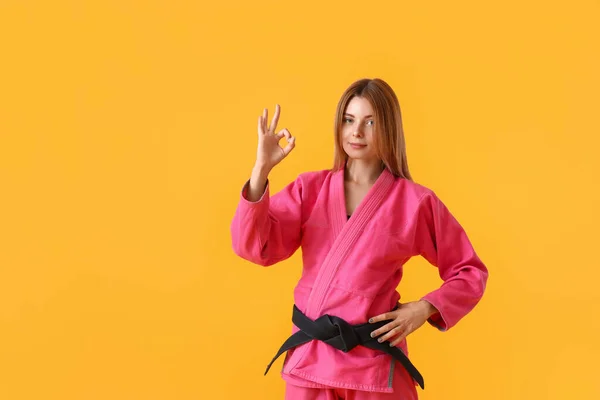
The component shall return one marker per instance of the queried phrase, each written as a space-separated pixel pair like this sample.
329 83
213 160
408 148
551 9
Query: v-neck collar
379 188
345 232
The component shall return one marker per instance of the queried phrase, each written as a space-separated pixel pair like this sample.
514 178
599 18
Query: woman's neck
363 172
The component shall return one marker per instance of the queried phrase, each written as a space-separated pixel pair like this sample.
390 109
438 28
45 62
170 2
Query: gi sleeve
268 230
442 241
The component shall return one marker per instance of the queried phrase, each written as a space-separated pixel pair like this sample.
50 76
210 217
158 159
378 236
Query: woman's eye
371 122
347 120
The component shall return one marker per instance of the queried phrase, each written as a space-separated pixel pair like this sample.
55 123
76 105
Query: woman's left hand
404 321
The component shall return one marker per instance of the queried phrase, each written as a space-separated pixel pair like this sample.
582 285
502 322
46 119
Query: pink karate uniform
352 268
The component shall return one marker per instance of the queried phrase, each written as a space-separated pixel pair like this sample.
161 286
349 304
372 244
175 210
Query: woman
358 224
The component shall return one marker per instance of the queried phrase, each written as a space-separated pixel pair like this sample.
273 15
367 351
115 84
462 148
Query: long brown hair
389 134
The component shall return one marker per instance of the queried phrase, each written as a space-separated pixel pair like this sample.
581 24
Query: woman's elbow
252 254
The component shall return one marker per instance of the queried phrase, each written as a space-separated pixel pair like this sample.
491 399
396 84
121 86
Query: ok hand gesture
269 152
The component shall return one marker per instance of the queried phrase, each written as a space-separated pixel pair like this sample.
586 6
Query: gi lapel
345 232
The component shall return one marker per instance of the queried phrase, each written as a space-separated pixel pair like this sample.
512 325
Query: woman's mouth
357 146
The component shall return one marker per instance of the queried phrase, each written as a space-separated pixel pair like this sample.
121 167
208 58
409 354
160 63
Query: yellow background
128 128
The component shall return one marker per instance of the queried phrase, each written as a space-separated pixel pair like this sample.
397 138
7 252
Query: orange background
128 128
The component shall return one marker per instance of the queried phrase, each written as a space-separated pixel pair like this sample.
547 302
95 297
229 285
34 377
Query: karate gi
352 268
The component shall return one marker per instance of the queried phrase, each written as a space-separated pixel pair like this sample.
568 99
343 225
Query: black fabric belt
340 334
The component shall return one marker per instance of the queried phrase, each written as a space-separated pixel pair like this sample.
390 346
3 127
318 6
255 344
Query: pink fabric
403 389
351 268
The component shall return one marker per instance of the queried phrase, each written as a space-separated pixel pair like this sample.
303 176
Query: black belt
340 334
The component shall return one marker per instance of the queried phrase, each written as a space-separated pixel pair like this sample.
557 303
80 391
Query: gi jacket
352 267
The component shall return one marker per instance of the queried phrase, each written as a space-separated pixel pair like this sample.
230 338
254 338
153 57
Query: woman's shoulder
423 198
314 178
311 182
413 190
315 175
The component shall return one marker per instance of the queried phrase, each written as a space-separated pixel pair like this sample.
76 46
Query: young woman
358 224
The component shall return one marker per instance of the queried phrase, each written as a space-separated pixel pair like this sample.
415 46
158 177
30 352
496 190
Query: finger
397 340
290 146
275 119
260 126
393 332
384 329
284 133
381 317
265 114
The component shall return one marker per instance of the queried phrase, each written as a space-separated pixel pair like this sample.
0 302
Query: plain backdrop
127 129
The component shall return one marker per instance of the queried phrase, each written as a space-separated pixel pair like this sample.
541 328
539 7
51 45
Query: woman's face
358 130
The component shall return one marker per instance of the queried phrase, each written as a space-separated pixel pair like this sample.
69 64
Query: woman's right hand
269 153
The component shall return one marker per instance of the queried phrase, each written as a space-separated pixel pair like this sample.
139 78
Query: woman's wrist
428 308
